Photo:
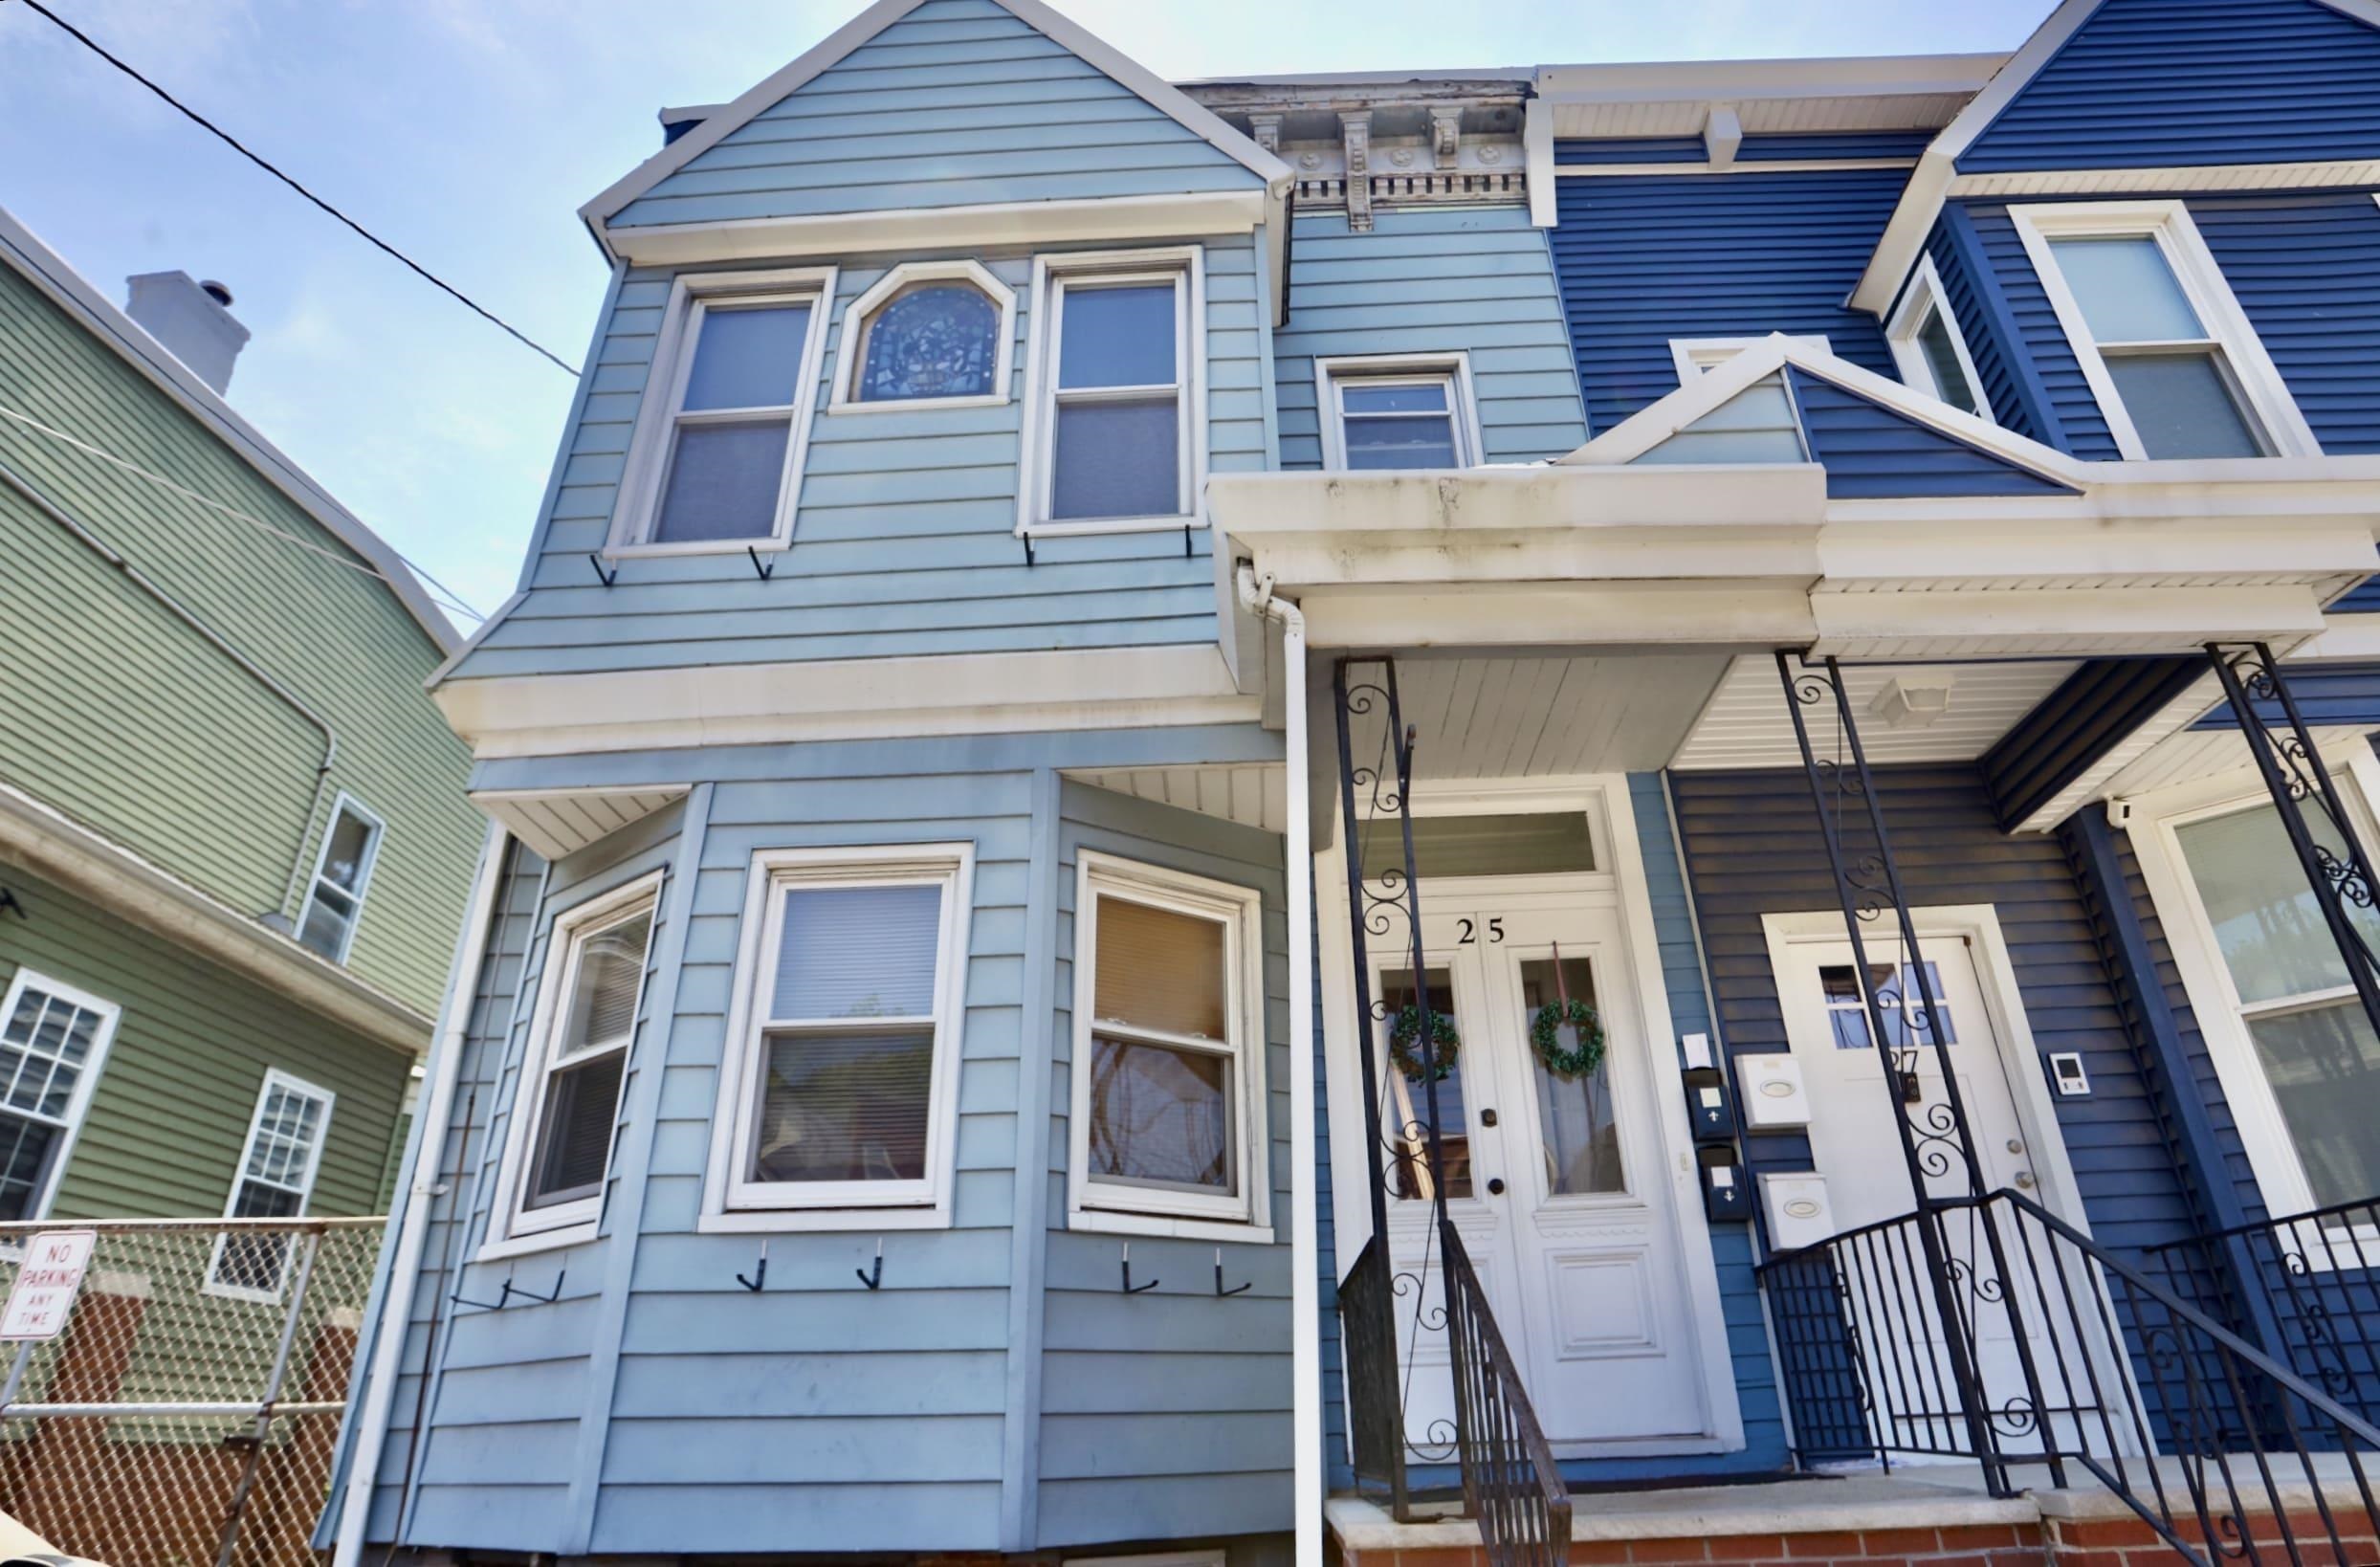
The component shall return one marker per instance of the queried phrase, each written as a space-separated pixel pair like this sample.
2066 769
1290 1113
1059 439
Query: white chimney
192 319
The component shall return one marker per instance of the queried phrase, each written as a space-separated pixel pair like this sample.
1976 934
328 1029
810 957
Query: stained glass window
930 340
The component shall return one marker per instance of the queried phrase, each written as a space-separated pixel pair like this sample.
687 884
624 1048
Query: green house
234 847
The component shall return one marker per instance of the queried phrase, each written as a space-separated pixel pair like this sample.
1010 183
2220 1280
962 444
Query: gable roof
49 271
1937 167
717 124
1720 384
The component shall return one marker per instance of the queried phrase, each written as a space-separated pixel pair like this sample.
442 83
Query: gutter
420 1195
1305 1246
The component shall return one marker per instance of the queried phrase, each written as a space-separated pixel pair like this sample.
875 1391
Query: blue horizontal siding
2010 385
1646 258
959 102
2344 694
2176 84
1889 144
2075 725
1631 149
1871 450
2305 267
2080 427
1473 279
2363 599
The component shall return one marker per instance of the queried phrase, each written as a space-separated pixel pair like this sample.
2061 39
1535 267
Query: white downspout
1305 1246
396 1301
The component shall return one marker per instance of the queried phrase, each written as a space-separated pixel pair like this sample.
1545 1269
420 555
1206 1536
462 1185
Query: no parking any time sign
44 1291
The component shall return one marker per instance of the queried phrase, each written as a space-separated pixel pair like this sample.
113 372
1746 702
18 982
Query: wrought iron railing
2223 1451
2312 1286
1510 1480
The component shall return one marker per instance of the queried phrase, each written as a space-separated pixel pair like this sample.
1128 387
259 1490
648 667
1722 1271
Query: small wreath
1545 1030
1445 1044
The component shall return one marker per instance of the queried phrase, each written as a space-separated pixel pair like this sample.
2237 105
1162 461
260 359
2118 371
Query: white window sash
319 884
290 1087
1055 275
1925 299
78 1102
2264 399
860 314
1334 375
653 446
514 1226
1136 1207
731 1199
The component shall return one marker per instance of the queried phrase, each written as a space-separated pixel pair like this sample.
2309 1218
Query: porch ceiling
1483 716
1747 724
559 822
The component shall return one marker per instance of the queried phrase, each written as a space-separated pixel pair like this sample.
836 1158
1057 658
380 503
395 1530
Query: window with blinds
1165 1049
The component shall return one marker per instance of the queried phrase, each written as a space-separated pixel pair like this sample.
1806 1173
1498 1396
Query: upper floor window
1931 349
844 1040
1168 1072
275 1180
2176 368
1398 410
1116 433
716 459
932 334
53 1040
558 1148
342 873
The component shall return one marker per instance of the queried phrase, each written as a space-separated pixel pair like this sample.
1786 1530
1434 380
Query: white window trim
273 1077
2269 405
1140 1210
513 1229
731 1203
855 317
79 1103
1051 274
2206 979
1924 294
1692 356
347 803
638 506
1453 371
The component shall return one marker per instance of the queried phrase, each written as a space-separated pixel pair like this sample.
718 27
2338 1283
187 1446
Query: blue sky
468 131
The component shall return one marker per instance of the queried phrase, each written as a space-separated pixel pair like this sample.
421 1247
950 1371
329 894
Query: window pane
253 1261
2324 1069
1117 336
1482 846
2127 291
858 951
845 1107
931 340
748 357
574 1139
1371 397
1575 1115
2182 406
1400 443
1160 1116
723 482
2264 916
42 1048
24 1163
1933 340
603 997
1161 970
1407 1095
327 918
1117 459
351 841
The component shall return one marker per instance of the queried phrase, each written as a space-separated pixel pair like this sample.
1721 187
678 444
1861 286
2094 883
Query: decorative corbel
1266 128
1446 134
1357 127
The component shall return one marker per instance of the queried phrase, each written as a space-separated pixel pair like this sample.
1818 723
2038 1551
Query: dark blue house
1615 813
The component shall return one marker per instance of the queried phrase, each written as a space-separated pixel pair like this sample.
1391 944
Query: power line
233 143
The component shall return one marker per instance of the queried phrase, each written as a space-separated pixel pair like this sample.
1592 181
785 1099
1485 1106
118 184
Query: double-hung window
275 1178
2176 368
1931 349
1398 410
53 1040
558 1148
844 1040
1168 1052
716 462
1115 436
342 873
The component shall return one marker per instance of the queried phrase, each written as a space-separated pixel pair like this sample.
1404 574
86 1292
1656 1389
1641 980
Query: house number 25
1470 932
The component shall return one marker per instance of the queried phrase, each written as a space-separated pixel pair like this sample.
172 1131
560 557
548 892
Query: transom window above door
933 334
716 462
1399 411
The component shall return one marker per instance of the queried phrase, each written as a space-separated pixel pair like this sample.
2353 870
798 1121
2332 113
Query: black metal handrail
2258 1463
1510 1484
2313 1283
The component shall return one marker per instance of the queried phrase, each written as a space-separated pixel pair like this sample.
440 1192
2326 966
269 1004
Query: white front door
1555 1179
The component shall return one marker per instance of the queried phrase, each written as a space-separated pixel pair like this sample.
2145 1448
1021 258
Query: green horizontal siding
121 716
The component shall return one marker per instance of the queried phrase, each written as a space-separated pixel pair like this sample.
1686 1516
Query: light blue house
1355 812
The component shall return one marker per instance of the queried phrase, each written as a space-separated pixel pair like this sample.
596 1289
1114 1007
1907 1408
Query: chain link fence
185 1416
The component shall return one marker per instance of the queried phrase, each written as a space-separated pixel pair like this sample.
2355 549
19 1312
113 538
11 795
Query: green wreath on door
1545 1037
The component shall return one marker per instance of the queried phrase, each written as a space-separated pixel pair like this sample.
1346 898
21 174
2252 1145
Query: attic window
1929 348
928 335
1756 425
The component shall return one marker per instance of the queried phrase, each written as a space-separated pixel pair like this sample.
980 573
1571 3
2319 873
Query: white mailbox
1772 1095
1798 1213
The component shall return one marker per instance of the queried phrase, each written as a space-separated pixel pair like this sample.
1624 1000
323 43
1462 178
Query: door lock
1495 1186
1486 1118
